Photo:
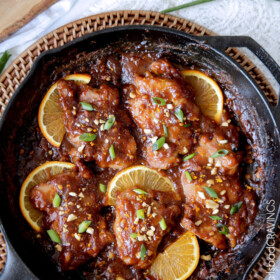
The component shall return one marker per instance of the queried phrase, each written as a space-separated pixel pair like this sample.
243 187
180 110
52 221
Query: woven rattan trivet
17 71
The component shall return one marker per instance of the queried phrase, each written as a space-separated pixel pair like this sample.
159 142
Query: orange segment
140 176
50 116
178 261
41 174
208 94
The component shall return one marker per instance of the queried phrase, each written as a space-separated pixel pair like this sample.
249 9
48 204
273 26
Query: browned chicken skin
156 206
165 82
198 211
80 202
208 146
219 174
78 121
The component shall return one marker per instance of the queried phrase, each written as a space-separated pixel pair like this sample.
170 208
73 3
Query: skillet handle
14 268
223 42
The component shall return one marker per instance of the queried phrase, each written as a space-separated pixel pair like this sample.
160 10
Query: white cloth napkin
259 19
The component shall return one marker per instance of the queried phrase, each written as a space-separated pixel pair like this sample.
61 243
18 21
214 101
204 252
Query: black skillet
24 260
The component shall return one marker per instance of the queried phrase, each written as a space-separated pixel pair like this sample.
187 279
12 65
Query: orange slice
208 94
50 116
140 176
178 261
41 174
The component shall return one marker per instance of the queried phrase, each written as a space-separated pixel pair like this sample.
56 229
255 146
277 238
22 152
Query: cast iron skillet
23 261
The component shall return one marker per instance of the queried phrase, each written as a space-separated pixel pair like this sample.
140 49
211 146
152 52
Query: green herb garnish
133 235
143 252
83 226
188 175
187 125
193 3
3 60
159 101
109 123
211 192
165 130
220 153
189 156
162 224
54 236
88 137
222 229
112 152
86 106
236 207
102 187
140 214
179 114
139 191
216 217
158 144
56 200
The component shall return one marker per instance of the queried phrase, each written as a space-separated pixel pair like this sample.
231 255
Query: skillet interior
251 110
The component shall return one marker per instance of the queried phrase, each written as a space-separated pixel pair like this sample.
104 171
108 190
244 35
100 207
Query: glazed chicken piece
152 100
215 166
79 203
79 121
208 146
137 225
200 205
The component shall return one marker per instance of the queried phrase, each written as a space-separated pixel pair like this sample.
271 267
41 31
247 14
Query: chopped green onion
133 235
143 252
110 122
88 137
102 187
54 236
216 217
222 229
83 226
189 156
236 207
193 3
158 144
188 175
220 153
179 114
211 192
141 214
87 106
162 224
3 60
187 125
56 200
159 101
112 152
139 191
165 130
